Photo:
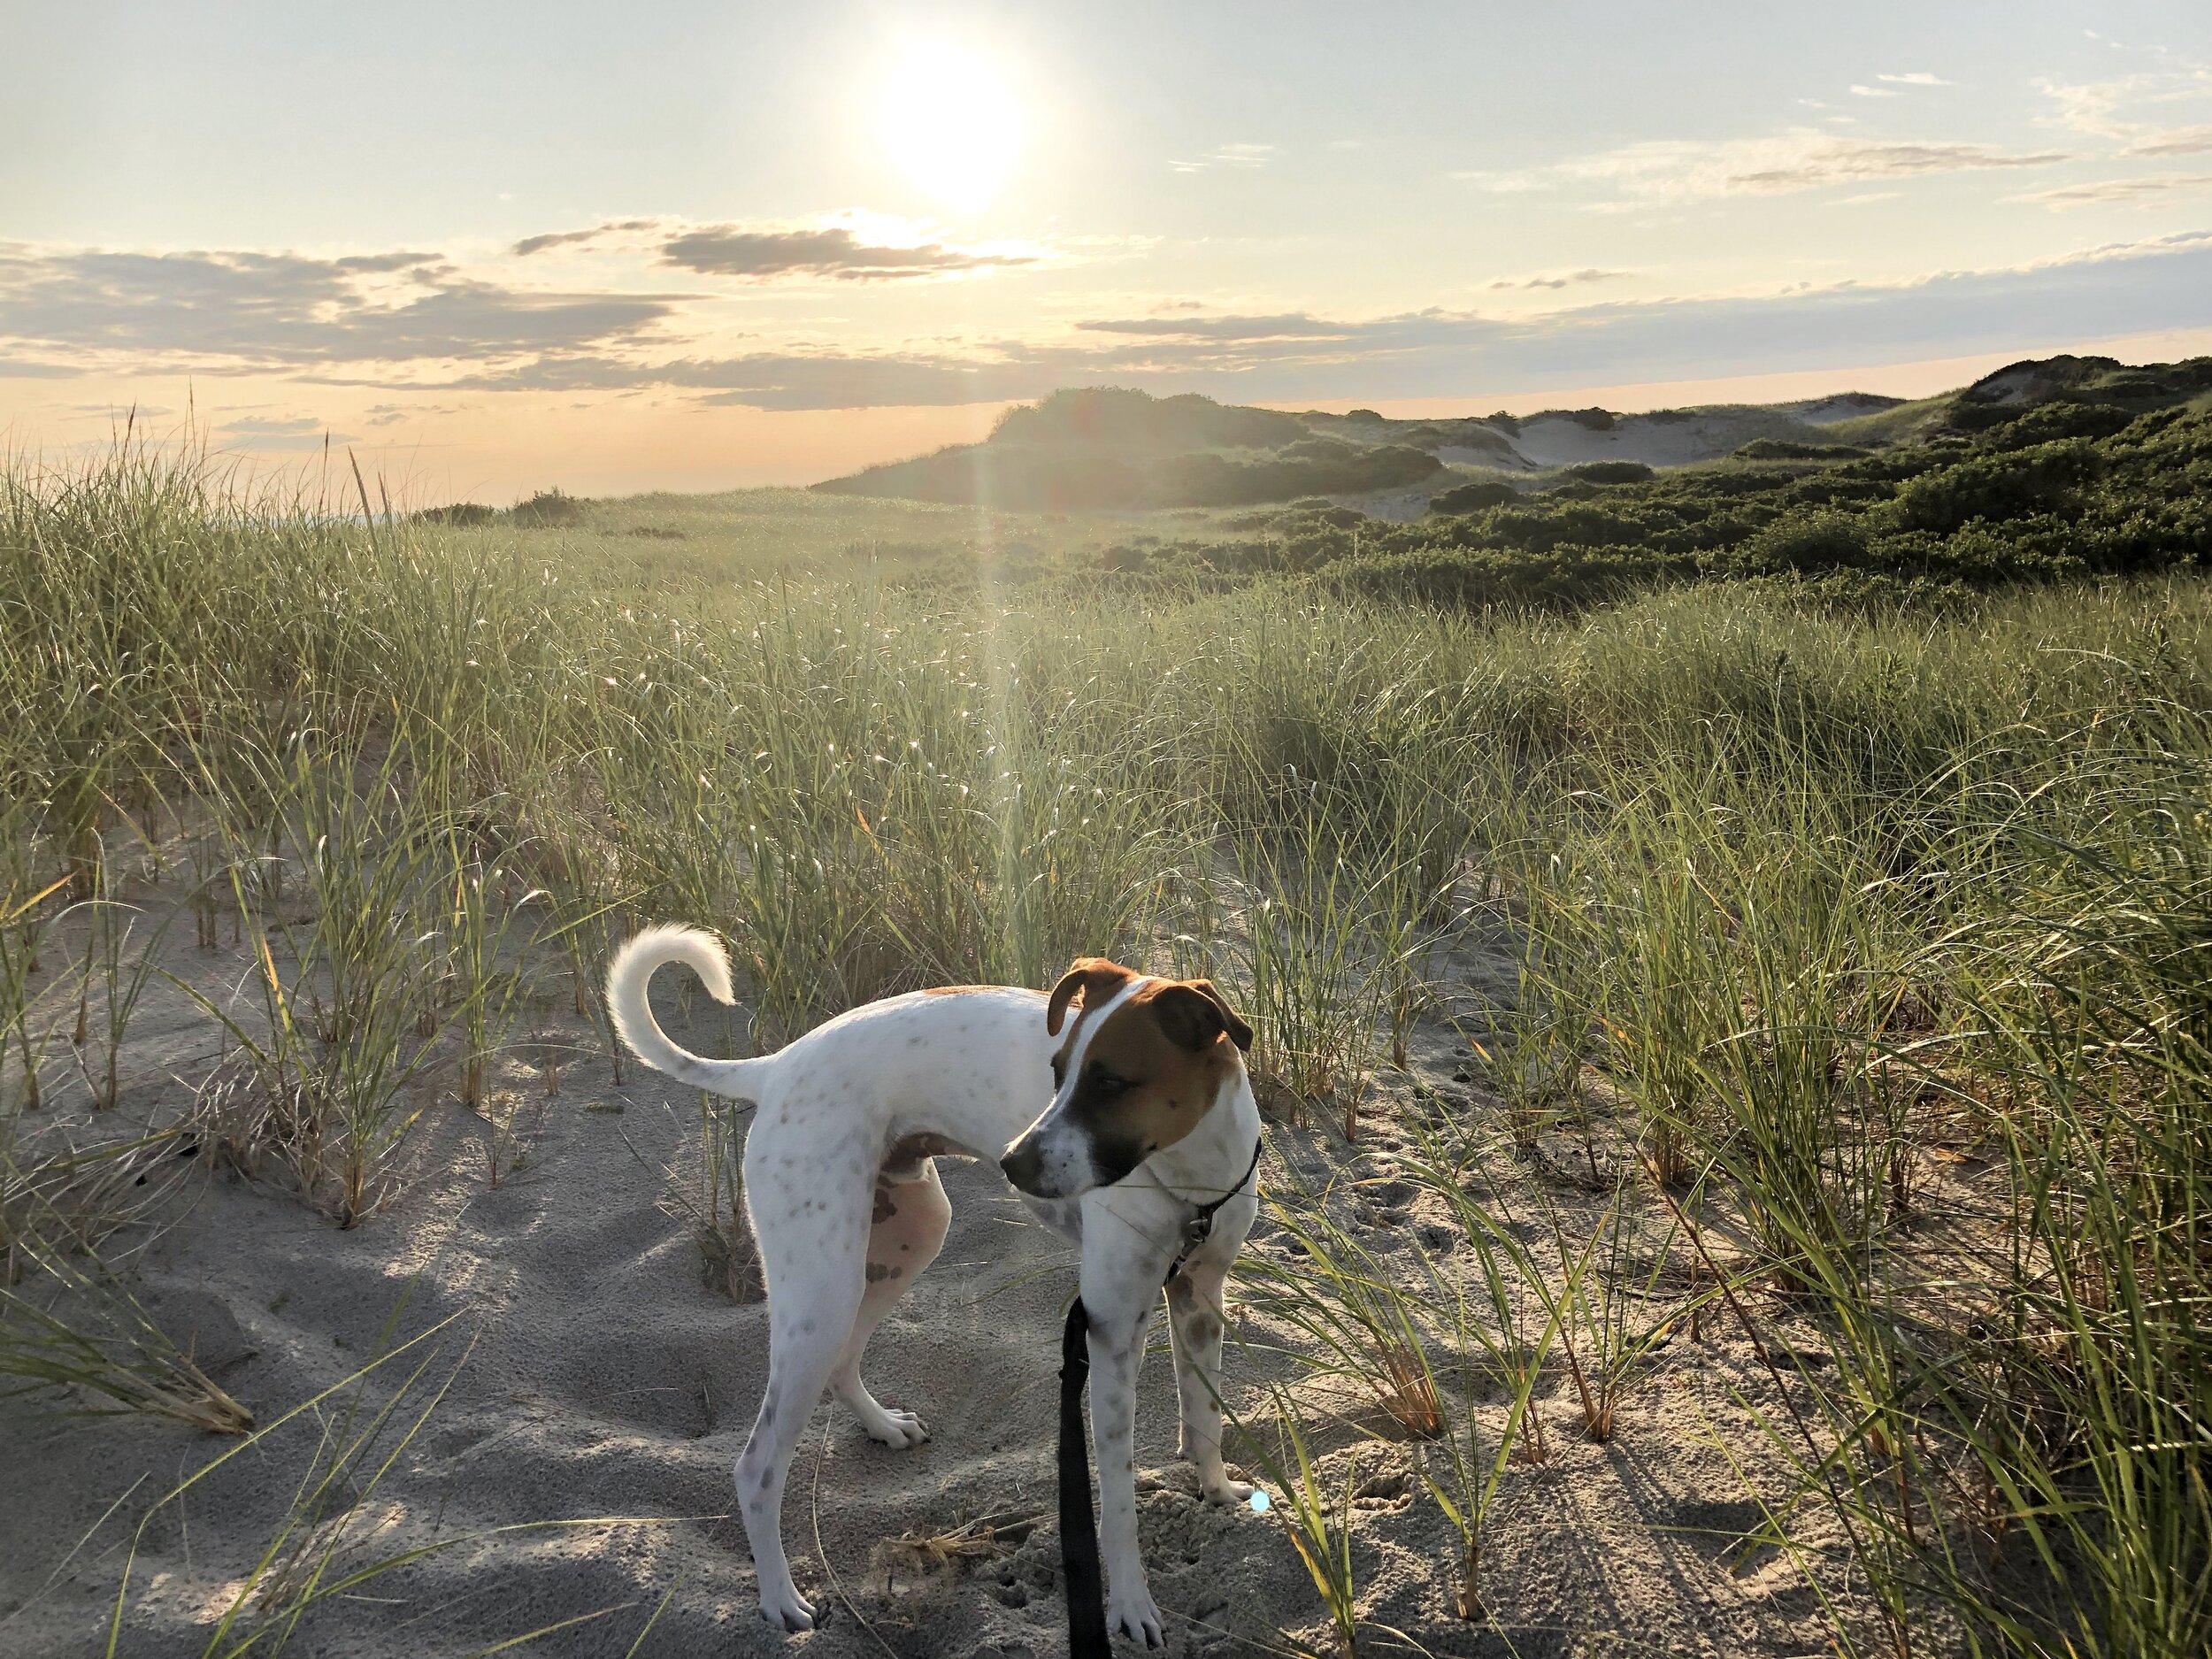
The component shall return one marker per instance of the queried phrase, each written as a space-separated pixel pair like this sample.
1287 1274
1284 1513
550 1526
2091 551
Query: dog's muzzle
1052 1161
1023 1165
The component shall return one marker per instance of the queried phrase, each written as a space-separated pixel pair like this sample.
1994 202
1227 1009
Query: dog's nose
1023 1165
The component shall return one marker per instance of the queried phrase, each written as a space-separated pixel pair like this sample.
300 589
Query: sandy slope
606 1380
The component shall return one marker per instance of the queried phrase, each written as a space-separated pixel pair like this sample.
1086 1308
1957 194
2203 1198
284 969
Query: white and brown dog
1151 1125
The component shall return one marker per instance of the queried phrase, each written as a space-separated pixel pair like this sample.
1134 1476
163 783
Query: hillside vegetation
1106 450
2026 500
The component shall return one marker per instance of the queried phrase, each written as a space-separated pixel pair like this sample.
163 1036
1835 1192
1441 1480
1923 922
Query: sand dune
593 1375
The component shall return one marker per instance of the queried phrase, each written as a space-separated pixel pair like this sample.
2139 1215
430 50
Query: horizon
713 248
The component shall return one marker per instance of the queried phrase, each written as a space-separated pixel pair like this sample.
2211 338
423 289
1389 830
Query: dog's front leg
1196 1316
1120 1311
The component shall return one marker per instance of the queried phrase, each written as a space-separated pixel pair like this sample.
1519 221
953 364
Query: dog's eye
1109 1082
1059 1070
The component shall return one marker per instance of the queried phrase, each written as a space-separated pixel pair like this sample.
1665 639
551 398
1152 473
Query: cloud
861 248
392 414
2093 106
1872 92
1294 325
1557 279
734 250
529 245
1916 78
281 432
2179 141
2116 288
2107 192
409 321
801 379
1800 159
234 311
1243 156
273 427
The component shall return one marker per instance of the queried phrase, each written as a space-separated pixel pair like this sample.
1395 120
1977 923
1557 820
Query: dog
1145 1159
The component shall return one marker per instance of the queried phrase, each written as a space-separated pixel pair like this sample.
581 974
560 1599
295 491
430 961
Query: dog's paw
1137 1617
790 1613
898 1430
1221 1489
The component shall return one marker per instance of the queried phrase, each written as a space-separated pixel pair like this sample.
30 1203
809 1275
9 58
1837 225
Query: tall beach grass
1838 906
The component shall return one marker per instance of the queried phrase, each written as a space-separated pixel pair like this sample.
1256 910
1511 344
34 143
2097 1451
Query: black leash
1078 1526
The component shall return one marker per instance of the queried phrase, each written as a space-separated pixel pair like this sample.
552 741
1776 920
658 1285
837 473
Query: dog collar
1200 1227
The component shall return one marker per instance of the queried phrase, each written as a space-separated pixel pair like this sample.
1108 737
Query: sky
490 246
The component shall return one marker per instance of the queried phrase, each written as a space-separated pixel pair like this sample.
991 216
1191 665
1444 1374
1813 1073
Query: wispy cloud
1557 279
2178 141
1293 326
1244 156
1916 78
2150 284
2143 192
599 234
2094 106
1872 92
1800 159
279 432
408 322
852 248
824 378
231 311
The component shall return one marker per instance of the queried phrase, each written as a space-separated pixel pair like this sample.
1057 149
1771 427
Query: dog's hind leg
813 1242
910 1218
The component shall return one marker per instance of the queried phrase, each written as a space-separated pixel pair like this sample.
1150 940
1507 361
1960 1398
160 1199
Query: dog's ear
1095 977
1192 1013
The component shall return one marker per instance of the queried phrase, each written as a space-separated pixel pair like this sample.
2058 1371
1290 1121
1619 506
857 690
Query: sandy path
606 1380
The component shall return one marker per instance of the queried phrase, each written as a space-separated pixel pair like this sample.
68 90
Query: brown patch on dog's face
1150 1071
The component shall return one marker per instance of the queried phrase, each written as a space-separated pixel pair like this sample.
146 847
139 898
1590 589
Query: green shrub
1472 497
2048 422
1996 487
1611 472
1788 450
461 514
548 509
1312 466
1815 539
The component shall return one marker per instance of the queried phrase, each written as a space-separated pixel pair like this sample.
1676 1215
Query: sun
950 123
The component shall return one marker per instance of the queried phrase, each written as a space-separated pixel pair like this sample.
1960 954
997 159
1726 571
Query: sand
591 1374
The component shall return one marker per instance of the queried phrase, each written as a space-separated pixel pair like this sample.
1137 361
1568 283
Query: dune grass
1827 900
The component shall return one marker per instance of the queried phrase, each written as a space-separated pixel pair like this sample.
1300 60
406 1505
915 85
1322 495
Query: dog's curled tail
632 972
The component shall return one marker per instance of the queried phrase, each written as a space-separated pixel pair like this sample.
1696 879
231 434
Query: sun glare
950 123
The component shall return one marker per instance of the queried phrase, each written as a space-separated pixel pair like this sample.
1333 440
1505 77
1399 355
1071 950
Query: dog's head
1139 1064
